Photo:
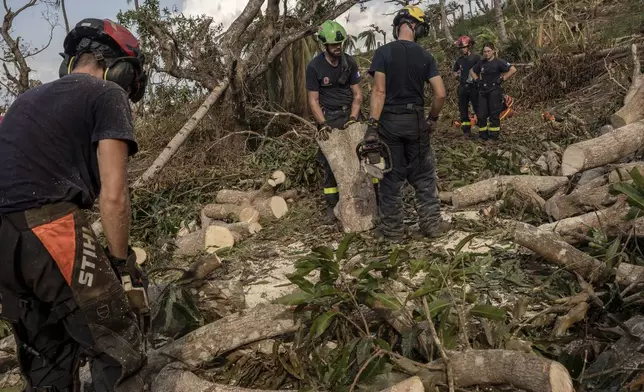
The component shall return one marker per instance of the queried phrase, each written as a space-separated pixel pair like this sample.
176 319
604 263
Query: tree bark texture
489 189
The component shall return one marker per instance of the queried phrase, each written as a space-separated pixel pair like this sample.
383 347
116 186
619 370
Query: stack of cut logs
237 215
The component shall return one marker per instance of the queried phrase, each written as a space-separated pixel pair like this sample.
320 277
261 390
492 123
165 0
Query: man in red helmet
61 144
467 91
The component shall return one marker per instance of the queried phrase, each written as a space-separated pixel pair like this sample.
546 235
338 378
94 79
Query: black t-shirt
407 66
465 64
324 78
49 139
490 71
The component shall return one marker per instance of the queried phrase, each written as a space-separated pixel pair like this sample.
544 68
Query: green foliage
634 192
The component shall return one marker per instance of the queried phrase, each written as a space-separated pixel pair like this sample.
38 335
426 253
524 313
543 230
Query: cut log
210 341
604 149
231 211
592 174
528 372
141 255
176 377
489 189
190 244
277 178
231 196
290 194
413 384
357 207
633 109
590 197
553 248
524 195
218 237
623 172
610 220
271 209
554 163
202 268
243 228
445 197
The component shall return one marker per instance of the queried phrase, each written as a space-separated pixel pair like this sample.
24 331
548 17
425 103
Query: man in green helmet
334 96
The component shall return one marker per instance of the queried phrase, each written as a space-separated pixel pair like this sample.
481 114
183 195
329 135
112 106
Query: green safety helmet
331 32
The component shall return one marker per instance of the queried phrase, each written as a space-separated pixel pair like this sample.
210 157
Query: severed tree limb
524 371
554 249
489 189
633 109
231 211
210 341
594 195
177 377
449 370
412 384
602 150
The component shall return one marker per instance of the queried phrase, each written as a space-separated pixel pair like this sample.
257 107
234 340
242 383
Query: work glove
135 284
432 122
352 120
500 81
323 131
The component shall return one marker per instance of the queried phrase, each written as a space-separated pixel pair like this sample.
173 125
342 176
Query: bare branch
22 80
285 114
242 22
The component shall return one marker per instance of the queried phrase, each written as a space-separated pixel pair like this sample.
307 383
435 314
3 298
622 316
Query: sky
34 30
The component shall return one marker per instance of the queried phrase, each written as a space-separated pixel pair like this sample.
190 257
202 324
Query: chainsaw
373 155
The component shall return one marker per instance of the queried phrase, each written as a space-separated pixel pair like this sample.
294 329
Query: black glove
351 120
479 83
372 130
322 132
500 81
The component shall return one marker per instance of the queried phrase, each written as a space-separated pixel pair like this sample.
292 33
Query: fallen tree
602 150
357 207
489 189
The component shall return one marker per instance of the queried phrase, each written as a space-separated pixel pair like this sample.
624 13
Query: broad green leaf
637 178
294 298
635 197
417 266
364 350
321 323
382 344
324 251
612 251
464 241
375 367
341 253
488 311
386 300
426 289
435 307
302 283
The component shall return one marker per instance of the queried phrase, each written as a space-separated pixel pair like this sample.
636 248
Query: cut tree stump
210 341
633 109
604 149
413 384
553 248
528 372
489 189
231 211
357 207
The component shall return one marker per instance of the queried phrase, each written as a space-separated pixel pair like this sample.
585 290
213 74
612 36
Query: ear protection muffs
124 71
420 31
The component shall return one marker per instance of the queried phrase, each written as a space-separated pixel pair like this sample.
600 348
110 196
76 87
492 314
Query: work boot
442 228
330 218
381 237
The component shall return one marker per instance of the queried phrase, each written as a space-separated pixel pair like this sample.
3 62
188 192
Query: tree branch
22 80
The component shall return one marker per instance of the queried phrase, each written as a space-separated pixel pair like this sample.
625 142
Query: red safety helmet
464 41
112 43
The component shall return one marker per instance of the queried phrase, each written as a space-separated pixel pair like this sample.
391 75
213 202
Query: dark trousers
64 301
490 108
467 93
412 159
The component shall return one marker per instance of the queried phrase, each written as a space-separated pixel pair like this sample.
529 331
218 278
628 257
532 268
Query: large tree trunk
500 22
176 142
633 109
554 249
448 35
357 207
488 189
602 150
210 341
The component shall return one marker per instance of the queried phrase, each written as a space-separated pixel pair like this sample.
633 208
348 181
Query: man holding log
334 95
400 70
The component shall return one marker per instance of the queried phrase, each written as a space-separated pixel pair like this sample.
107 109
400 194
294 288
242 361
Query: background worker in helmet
490 73
468 90
400 70
334 97
61 144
